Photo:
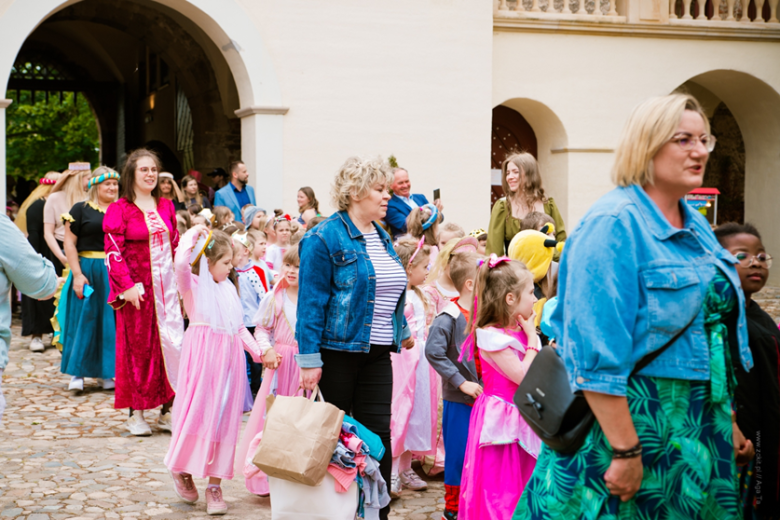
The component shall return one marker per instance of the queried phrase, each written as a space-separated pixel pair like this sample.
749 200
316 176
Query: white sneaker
165 422
36 345
138 426
395 487
410 480
76 384
108 384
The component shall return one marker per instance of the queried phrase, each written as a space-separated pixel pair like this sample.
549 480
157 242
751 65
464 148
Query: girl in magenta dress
212 374
140 239
502 449
275 325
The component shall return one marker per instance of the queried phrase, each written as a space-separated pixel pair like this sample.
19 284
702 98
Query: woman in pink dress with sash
141 238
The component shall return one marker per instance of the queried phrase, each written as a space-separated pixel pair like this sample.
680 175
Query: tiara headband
420 245
102 178
241 238
207 243
433 218
282 218
476 233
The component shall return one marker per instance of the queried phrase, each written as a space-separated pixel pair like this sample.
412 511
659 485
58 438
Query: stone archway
511 133
550 147
252 121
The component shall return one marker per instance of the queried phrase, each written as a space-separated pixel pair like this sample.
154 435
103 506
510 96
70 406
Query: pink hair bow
493 261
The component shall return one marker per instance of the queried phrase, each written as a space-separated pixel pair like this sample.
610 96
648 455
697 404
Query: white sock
405 461
212 486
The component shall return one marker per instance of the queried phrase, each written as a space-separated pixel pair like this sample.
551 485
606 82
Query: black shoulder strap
653 355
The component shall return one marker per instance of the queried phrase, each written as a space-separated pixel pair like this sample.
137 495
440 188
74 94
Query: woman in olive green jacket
524 194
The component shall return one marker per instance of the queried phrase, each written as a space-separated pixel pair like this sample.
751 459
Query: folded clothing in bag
375 447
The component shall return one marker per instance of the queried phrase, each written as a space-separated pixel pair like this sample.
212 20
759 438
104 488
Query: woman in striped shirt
351 302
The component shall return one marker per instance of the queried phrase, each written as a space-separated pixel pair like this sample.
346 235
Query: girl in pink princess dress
275 325
212 372
415 405
501 450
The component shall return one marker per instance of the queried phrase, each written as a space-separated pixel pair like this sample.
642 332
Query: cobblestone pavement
69 456
65 456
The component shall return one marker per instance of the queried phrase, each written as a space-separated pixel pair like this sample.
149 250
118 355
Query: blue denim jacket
336 291
628 281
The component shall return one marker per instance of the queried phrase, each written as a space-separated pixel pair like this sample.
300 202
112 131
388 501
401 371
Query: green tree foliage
43 136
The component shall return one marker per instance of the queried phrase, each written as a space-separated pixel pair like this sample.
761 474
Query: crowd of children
472 319
476 325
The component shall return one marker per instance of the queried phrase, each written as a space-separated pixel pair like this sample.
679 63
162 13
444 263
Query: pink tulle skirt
287 382
497 466
208 406
415 405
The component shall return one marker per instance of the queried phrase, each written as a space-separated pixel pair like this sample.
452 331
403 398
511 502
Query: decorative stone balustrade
712 19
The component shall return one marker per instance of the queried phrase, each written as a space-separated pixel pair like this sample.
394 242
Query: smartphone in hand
436 194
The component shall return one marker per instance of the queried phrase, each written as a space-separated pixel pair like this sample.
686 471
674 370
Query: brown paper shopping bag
299 437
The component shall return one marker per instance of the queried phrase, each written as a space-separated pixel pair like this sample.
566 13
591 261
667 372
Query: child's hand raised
471 389
528 325
203 231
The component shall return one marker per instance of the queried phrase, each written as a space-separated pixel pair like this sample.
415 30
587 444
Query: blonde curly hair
356 177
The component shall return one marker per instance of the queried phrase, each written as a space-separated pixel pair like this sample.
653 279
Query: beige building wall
413 82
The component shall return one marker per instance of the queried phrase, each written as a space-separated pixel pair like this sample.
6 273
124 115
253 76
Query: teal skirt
89 329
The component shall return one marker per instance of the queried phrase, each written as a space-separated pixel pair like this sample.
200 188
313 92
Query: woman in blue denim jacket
351 303
640 266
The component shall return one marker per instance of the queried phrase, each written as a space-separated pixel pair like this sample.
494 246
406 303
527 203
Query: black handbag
562 418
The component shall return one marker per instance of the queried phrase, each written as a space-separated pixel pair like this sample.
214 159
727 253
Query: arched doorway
755 108
511 134
136 79
150 54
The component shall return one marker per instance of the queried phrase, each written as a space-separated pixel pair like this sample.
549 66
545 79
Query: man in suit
236 194
403 202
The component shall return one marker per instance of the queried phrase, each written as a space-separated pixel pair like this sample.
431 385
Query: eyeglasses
687 142
761 259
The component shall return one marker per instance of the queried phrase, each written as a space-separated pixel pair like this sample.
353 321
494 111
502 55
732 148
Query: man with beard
236 194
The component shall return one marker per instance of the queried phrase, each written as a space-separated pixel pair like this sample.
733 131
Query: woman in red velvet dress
141 238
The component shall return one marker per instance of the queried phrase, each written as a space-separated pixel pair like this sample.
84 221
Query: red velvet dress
139 249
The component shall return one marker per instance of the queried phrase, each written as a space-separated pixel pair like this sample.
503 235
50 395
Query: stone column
262 151
4 103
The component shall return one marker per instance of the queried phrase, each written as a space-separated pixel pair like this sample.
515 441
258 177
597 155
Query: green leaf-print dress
687 454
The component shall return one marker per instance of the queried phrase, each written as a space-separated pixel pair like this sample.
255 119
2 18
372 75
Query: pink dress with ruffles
502 449
207 412
413 423
273 325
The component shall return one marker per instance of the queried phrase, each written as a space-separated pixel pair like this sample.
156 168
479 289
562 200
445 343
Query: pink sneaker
215 505
185 487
